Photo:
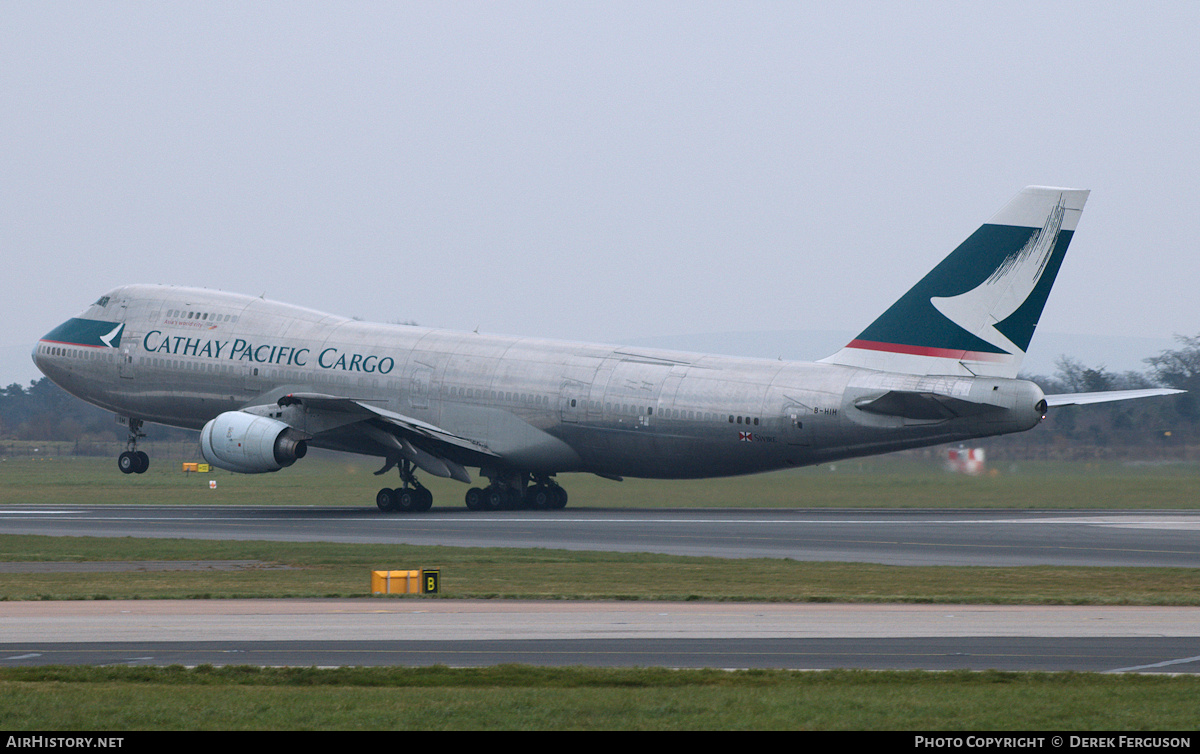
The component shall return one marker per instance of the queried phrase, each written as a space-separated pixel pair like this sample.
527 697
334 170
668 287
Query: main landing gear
507 491
133 461
411 498
514 492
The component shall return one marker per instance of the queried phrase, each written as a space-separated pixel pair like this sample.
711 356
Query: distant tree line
1151 427
44 412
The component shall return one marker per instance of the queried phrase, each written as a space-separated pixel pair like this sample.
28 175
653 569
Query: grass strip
884 482
527 698
323 569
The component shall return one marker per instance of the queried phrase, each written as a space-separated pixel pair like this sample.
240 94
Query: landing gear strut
133 461
411 498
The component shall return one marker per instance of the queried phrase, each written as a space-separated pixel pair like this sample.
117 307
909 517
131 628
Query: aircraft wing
427 446
1080 399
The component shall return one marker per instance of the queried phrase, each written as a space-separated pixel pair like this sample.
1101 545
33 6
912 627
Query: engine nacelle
249 444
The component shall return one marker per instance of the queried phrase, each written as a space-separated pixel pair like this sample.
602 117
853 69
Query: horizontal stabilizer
1081 399
922 406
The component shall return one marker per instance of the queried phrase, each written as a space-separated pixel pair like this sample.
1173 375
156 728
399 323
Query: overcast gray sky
590 171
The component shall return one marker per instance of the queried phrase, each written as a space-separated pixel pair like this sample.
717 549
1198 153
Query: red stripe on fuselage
73 345
937 353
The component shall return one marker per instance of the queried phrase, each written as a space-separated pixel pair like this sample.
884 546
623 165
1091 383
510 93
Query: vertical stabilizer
975 313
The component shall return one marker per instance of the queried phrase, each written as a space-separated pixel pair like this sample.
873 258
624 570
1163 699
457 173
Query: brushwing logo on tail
974 314
981 309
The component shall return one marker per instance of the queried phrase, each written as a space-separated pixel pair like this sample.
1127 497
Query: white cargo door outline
571 402
794 416
127 366
418 386
669 388
637 385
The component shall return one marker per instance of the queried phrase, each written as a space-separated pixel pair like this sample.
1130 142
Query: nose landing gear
133 461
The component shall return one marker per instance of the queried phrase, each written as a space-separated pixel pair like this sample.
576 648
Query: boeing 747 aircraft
263 381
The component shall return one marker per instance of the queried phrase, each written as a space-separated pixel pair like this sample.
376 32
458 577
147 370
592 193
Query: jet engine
249 444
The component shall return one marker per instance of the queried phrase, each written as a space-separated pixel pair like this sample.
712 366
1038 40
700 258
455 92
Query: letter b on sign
429 581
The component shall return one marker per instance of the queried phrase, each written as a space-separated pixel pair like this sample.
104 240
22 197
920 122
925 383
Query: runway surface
463 633
482 632
914 537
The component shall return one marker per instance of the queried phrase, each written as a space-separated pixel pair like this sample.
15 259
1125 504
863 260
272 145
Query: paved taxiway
412 631
1169 539
334 632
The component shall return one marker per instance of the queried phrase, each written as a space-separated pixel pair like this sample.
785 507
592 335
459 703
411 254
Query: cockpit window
102 301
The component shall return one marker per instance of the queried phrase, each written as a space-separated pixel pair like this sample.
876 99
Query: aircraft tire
424 500
474 499
494 499
385 500
541 498
559 499
406 500
143 462
127 462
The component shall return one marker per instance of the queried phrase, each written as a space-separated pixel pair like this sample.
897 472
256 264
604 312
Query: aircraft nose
43 351
41 356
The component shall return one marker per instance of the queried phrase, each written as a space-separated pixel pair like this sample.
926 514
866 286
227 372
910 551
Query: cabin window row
669 413
202 316
70 353
191 366
624 409
508 397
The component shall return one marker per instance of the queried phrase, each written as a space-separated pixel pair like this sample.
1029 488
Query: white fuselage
186 355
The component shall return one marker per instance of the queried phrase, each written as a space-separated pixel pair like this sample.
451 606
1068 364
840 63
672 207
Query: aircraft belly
712 451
